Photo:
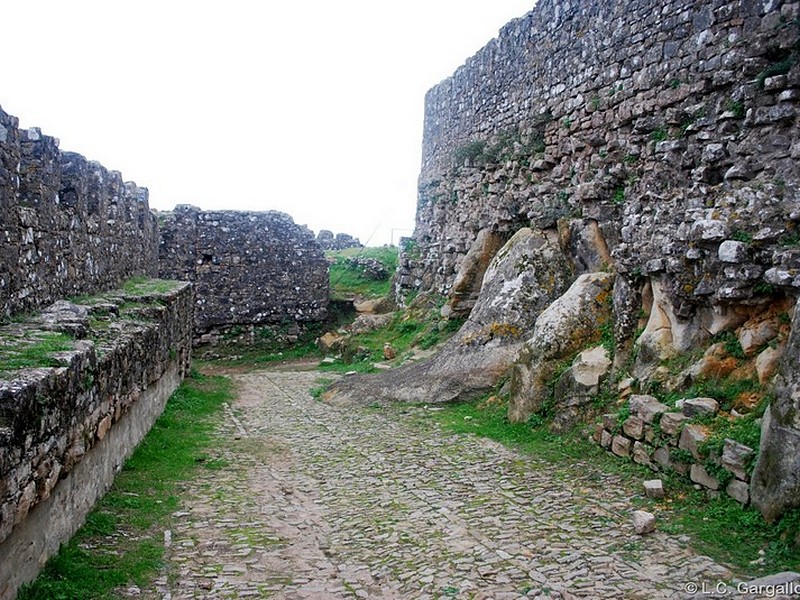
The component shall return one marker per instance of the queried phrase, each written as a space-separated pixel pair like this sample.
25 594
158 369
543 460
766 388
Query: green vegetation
349 280
32 350
507 145
143 286
121 542
659 135
718 527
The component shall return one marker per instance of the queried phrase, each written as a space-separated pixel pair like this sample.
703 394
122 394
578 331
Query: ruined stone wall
658 145
68 225
65 430
672 127
248 267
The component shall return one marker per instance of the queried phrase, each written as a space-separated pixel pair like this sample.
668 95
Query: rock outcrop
776 478
523 278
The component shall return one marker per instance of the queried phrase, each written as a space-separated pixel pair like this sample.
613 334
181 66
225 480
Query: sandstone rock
633 427
586 246
606 439
662 458
579 384
654 488
330 342
643 522
621 446
738 490
757 332
564 327
693 407
698 474
389 353
671 422
641 454
365 323
735 458
524 277
467 283
767 363
691 437
775 485
647 407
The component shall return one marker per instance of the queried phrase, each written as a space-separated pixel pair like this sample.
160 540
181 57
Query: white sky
310 107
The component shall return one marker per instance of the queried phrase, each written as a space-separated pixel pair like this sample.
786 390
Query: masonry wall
68 225
672 127
248 267
65 431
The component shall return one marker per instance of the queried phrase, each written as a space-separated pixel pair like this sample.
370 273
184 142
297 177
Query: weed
618 196
736 107
471 151
32 350
347 279
659 135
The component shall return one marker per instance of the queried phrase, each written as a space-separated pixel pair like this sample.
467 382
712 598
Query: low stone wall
656 436
65 430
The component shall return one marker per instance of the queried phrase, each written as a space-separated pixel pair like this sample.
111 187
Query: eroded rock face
567 325
468 281
775 485
522 279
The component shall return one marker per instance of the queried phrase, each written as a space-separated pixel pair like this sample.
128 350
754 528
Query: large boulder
524 277
570 324
469 279
775 486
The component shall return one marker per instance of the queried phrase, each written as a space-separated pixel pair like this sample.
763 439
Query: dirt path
322 502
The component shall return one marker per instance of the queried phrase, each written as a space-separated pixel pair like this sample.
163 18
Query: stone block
738 490
735 458
637 401
641 454
691 437
621 446
610 421
633 427
693 407
731 251
654 488
650 410
698 474
606 439
672 422
767 363
643 522
661 457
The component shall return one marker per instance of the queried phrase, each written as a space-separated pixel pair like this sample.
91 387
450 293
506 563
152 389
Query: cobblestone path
322 502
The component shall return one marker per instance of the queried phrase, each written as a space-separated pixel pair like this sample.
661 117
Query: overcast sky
310 107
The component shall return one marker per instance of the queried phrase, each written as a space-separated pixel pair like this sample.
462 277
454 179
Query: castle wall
247 267
68 225
672 127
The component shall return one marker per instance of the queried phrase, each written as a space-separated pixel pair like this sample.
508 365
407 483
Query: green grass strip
121 543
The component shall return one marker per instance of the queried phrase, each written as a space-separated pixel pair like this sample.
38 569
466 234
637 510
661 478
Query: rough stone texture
735 458
248 267
671 422
579 384
698 474
643 522
570 323
468 280
93 408
653 123
386 505
524 277
654 488
68 225
700 407
776 479
340 241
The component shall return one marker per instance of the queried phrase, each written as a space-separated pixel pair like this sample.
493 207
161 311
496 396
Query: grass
720 528
32 351
121 542
142 286
348 280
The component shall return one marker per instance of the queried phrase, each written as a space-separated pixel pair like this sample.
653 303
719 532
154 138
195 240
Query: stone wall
341 241
673 129
65 430
658 145
68 225
248 267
